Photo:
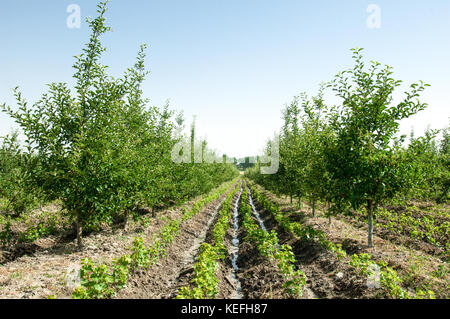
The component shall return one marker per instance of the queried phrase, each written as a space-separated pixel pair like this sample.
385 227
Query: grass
17 275
441 271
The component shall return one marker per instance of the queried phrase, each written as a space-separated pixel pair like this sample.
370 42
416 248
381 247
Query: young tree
16 186
80 140
101 151
444 177
313 134
293 163
363 163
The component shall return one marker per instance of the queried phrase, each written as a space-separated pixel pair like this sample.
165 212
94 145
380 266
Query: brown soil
425 208
327 277
15 248
163 280
415 266
45 270
401 239
259 276
227 287
62 236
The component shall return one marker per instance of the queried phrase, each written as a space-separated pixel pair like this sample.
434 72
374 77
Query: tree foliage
102 151
350 155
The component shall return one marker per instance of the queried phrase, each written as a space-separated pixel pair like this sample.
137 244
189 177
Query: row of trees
16 195
100 150
350 155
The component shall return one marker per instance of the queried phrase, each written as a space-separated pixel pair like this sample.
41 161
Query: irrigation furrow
162 280
189 258
235 250
210 275
255 211
291 280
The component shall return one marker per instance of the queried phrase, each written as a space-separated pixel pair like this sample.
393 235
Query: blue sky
235 63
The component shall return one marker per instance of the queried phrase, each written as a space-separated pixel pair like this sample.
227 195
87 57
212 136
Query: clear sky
234 63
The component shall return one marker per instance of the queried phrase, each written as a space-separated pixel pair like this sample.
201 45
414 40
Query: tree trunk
290 198
443 195
125 223
328 211
299 200
79 231
314 208
370 223
11 201
153 212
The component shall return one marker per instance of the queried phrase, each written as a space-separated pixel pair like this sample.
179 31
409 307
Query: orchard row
351 156
99 151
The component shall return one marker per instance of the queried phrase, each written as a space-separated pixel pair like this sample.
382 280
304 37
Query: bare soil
46 270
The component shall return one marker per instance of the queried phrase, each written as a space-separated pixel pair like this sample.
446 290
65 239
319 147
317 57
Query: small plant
440 272
389 279
205 282
96 281
425 294
6 234
140 254
144 221
295 280
267 245
121 271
